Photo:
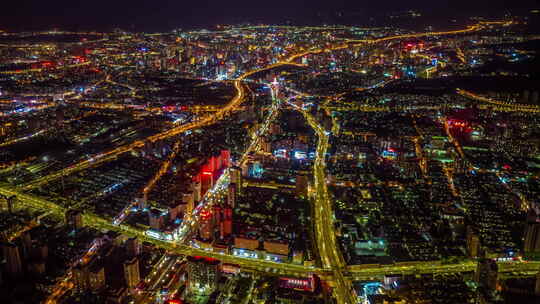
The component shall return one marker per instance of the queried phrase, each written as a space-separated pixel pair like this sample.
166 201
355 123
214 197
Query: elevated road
497 103
355 272
325 235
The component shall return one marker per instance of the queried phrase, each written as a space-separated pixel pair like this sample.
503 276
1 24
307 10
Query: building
236 178
174 210
281 248
117 295
473 243
266 146
26 241
96 277
74 219
532 238
231 195
537 285
225 158
156 219
203 275
189 200
131 273
13 259
245 243
301 185
8 202
226 223
216 214
133 247
89 277
487 274
80 277
196 188
206 226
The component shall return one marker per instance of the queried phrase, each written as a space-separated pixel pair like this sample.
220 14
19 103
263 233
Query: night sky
154 15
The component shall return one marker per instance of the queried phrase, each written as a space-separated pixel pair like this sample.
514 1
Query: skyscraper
189 200
203 275
13 259
131 272
231 195
133 247
226 223
487 274
537 285
473 243
96 277
74 219
301 185
80 277
155 218
206 227
532 238
236 178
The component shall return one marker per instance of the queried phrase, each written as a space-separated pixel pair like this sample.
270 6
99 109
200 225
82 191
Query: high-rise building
156 219
133 247
245 168
96 277
203 275
534 98
216 215
26 241
89 276
196 187
11 201
74 219
487 274
81 277
532 238
174 209
131 273
236 178
266 146
301 185
537 285
473 243
8 202
226 223
206 227
13 259
188 199
231 195
225 158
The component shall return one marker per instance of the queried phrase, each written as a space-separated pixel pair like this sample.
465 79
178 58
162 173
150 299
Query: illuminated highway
190 225
264 266
327 245
160 274
514 106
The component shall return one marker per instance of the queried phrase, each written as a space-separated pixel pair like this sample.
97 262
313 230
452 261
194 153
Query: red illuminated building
306 284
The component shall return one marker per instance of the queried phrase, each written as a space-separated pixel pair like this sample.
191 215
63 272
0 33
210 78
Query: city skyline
164 15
